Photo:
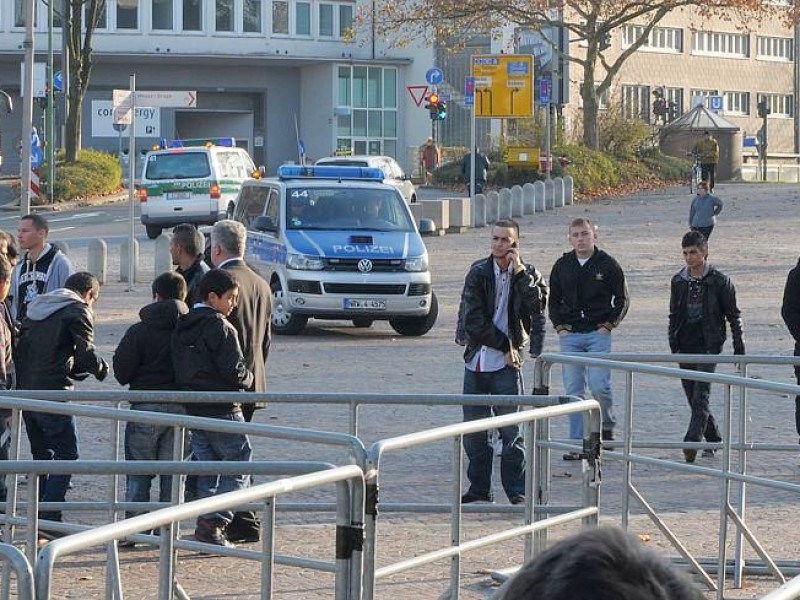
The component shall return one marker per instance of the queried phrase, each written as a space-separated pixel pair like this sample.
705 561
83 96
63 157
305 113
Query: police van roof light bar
227 142
330 172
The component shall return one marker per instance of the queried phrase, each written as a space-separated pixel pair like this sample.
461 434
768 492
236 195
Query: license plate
178 195
363 304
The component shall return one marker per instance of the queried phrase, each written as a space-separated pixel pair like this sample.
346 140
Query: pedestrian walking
704 210
481 170
6 366
708 151
790 311
588 300
502 307
186 248
701 300
431 159
55 348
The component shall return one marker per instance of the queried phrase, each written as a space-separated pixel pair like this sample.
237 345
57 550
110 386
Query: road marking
75 216
61 229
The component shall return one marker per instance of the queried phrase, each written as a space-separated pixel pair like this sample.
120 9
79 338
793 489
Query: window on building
780 105
660 39
674 98
700 96
326 20
162 15
224 16
718 43
345 20
192 15
302 18
774 48
737 103
127 14
369 96
636 102
251 16
280 16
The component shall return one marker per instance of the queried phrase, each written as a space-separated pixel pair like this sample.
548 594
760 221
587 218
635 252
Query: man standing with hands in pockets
501 306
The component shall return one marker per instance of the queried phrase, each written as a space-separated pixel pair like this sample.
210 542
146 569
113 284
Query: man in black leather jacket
56 346
501 306
701 299
790 311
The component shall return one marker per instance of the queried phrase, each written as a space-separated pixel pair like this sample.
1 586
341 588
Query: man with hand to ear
502 307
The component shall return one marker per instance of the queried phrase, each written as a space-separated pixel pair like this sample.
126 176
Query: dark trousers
702 424
797 398
245 521
708 173
706 231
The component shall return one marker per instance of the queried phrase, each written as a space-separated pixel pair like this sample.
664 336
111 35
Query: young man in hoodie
55 347
701 299
704 210
143 360
41 269
207 357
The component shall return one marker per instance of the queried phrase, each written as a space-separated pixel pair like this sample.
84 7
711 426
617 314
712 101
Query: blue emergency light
330 172
227 142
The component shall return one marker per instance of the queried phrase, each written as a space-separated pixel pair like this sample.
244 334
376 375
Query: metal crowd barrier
634 363
13 557
788 591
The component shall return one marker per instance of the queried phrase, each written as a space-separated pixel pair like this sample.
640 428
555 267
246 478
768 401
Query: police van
337 243
192 181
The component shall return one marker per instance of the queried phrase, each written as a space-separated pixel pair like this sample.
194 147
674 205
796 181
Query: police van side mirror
264 223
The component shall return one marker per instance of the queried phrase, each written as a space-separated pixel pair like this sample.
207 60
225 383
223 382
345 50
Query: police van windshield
351 209
178 165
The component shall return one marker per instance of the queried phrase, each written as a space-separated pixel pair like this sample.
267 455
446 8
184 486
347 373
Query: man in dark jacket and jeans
502 304
790 311
56 346
701 299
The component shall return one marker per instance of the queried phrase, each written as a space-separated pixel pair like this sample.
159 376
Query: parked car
393 173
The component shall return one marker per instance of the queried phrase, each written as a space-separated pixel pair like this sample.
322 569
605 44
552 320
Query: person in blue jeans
502 305
207 356
588 300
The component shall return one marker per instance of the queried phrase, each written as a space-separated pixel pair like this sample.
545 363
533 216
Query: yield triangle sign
418 93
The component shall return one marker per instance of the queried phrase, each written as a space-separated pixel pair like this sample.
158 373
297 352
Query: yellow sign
503 85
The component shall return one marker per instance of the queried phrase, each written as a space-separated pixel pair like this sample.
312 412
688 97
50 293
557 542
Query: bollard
504 204
417 211
492 206
479 210
569 187
558 192
124 262
459 214
163 258
97 259
538 193
528 199
439 212
516 201
549 196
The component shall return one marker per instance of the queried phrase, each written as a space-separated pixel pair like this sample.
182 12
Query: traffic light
433 106
763 108
441 110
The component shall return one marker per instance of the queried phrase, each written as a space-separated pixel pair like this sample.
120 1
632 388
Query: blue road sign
58 81
469 91
715 103
434 76
544 90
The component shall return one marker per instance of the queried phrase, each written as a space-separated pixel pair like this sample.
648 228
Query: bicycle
696 173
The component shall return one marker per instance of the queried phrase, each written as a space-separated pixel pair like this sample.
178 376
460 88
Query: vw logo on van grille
365 265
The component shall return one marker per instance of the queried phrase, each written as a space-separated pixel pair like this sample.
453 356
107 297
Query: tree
79 50
590 23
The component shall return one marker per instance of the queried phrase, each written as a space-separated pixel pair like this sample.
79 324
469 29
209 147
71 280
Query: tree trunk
591 128
73 125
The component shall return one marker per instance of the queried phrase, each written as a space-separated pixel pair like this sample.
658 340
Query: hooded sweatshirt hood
45 305
163 314
685 275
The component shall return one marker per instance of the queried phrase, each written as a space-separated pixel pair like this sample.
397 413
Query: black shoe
608 435
469 498
518 499
243 535
572 456
689 454
211 532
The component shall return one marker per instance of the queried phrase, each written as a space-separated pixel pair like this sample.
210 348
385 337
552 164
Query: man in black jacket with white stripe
790 311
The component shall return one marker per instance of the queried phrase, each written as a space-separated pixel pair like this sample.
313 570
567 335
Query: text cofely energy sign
503 85
148 120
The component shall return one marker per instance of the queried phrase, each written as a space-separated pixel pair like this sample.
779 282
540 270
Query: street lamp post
27 113
50 124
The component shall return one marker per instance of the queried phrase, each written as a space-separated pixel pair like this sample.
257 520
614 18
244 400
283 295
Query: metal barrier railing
788 591
588 512
12 556
633 363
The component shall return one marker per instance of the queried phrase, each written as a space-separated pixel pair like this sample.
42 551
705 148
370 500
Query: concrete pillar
124 262
538 194
479 210
504 207
439 212
569 194
492 206
97 259
459 214
549 196
558 192
417 211
528 199
516 202
163 259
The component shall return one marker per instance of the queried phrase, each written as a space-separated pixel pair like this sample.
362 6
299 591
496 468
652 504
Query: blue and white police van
337 243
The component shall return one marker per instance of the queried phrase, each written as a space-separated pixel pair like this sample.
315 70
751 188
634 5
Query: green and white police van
192 181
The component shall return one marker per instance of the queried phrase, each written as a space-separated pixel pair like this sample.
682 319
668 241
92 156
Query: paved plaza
754 242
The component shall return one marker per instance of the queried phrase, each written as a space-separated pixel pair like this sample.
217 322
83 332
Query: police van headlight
418 264
303 262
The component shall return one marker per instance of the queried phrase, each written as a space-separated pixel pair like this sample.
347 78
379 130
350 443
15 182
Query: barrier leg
267 548
628 441
739 561
531 453
455 517
725 495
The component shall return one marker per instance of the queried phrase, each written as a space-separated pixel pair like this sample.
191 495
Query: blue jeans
218 446
144 441
576 377
52 437
507 382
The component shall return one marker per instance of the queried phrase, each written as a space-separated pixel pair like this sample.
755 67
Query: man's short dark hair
5 269
81 282
694 238
217 281
189 238
600 564
169 286
39 222
508 224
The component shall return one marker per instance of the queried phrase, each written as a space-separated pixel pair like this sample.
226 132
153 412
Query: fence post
504 209
97 260
528 199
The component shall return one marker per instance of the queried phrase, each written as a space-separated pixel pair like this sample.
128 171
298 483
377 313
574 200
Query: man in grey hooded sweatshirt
704 210
56 346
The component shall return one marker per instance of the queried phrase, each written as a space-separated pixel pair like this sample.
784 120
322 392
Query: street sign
183 99
418 93
58 81
503 85
715 103
39 80
469 91
148 120
544 90
434 76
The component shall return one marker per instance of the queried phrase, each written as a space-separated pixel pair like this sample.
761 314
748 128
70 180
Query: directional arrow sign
183 99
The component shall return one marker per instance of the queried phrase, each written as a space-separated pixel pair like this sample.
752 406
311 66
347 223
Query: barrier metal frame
13 557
